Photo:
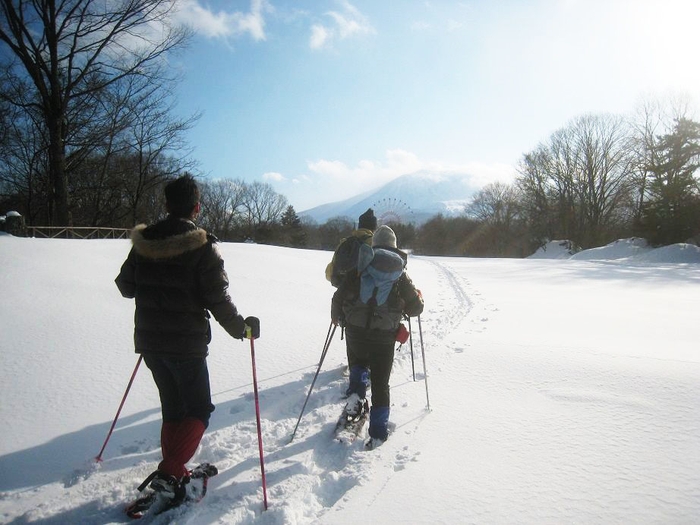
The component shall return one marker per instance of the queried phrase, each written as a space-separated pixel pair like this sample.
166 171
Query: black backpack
346 257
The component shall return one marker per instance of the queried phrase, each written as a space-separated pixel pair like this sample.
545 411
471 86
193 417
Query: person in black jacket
370 305
176 276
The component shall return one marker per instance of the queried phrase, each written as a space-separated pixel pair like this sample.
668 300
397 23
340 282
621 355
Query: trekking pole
249 335
329 338
410 340
425 371
98 459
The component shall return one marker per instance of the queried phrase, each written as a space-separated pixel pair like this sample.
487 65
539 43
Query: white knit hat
384 236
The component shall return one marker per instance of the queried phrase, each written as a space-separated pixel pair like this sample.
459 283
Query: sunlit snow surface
563 390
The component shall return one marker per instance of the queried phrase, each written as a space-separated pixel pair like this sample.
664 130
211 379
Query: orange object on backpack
402 333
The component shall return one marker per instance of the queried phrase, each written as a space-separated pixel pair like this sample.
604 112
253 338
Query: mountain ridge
411 198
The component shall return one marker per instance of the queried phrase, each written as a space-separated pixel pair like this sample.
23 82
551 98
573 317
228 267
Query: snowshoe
351 422
166 492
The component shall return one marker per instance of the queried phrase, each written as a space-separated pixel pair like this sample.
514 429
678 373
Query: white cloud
319 37
332 168
273 176
223 24
397 162
344 24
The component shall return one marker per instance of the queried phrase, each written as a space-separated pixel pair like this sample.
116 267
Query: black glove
237 328
252 323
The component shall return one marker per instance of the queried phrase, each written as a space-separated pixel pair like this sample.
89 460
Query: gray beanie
384 236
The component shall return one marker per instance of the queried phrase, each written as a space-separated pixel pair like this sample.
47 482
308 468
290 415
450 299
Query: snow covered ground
562 390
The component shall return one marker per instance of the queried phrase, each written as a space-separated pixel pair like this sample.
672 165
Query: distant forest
88 137
596 180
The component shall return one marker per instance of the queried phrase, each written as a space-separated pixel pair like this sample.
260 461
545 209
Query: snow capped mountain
412 198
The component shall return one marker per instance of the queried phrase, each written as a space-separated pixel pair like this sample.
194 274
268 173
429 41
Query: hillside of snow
561 391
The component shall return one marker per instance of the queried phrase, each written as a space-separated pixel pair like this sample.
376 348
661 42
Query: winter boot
379 423
165 486
373 443
165 492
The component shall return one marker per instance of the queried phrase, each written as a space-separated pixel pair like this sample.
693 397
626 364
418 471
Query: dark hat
367 220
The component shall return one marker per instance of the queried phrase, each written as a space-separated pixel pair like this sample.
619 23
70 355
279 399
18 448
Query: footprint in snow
403 457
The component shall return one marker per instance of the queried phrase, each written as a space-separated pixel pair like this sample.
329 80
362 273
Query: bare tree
579 185
603 175
223 207
68 51
264 208
155 141
536 195
497 207
333 231
496 203
22 150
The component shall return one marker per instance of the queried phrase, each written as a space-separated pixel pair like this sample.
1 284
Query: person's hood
167 239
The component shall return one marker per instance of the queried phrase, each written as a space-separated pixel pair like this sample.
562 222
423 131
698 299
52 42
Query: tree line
595 180
600 178
88 137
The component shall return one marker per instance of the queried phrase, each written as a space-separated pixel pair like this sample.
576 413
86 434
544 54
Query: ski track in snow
322 477
452 305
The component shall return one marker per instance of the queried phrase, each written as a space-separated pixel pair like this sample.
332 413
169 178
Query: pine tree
294 234
672 212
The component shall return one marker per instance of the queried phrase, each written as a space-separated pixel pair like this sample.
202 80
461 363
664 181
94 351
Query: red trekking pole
249 335
98 459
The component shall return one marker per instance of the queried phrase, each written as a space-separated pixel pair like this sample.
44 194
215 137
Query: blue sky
325 99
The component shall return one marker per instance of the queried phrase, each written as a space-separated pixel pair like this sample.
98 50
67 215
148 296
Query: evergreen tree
293 232
672 211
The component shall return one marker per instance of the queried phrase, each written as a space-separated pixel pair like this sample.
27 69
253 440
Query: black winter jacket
176 275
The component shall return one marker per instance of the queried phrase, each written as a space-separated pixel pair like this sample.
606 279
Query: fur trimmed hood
168 246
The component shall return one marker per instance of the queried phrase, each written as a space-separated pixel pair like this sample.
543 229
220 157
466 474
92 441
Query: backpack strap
372 303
